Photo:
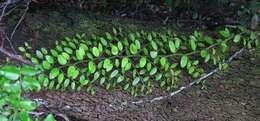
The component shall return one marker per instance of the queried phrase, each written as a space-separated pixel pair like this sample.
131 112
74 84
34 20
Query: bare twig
4 8
183 87
17 25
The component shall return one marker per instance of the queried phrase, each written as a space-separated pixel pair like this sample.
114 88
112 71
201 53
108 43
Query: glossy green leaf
54 73
66 83
114 50
120 79
39 54
136 81
29 71
177 43
62 60
172 47
163 61
133 48
125 61
80 53
46 65
154 45
49 59
10 72
114 73
184 61
95 51
103 41
91 67
193 44
237 38
120 45
153 54
50 117
142 62
153 71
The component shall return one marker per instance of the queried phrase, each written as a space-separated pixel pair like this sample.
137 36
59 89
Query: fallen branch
146 100
16 57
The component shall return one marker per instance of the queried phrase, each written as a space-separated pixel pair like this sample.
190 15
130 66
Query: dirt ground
232 95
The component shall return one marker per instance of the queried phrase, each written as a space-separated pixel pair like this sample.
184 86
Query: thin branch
142 101
15 57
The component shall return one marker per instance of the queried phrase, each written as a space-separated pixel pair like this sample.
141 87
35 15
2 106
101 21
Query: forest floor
232 95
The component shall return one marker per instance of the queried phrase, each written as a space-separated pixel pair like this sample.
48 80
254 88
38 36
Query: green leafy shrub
14 81
133 61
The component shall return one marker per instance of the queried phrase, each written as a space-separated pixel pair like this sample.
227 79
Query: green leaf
154 45
83 46
50 117
114 73
136 81
10 72
177 43
46 82
126 86
3 118
172 47
125 61
149 37
46 65
203 53
66 83
153 54
114 50
60 78
132 37
29 71
109 36
54 73
71 71
142 62
184 61
193 44
237 38
68 50
120 79
91 67
100 47
127 67
102 80
27 105
80 53
39 54
103 41
107 65
133 48
153 71
96 76
120 45
163 61
29 84
95 51
21 49
225 33
62 60
84 82
54 52
49 59
158 77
